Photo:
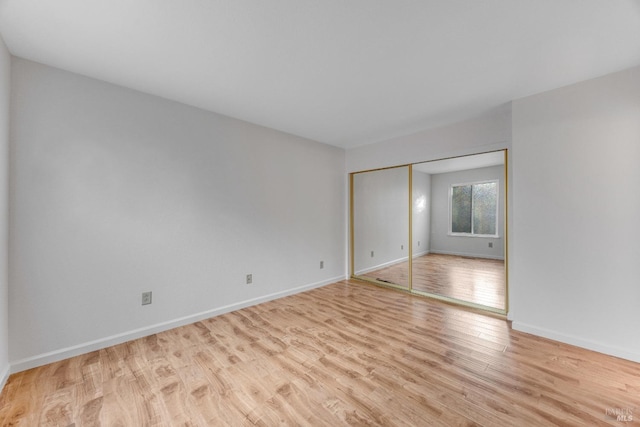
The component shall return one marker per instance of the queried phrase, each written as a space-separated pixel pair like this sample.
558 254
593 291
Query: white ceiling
343 72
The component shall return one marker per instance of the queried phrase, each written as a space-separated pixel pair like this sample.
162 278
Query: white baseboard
419 254
470 255
390 263
383 265
577 341
65 353
4 376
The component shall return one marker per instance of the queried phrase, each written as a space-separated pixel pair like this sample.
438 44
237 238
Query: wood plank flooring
477 280
346 354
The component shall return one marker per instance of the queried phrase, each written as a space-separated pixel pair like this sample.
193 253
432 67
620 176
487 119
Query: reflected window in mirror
474 209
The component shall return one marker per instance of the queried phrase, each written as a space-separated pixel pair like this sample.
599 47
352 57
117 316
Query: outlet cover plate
146 298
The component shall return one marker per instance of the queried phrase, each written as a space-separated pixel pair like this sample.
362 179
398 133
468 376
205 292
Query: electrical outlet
371 254
249 279
321 264
490 244
146 298
401 247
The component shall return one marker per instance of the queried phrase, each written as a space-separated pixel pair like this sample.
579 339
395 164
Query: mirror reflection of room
458 229
381 226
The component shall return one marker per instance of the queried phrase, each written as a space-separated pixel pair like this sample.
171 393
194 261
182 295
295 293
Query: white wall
421 215
5 72
115 192
381 218
489 132
575 270
441 241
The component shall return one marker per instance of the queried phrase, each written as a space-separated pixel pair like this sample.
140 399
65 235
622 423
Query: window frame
472 234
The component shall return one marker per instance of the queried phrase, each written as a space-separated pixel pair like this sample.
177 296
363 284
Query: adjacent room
319 213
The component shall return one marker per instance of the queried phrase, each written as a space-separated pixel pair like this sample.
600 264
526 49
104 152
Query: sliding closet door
459 230
380 221
436 229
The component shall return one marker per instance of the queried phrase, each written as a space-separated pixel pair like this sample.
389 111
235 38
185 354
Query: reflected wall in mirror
380 222
459 229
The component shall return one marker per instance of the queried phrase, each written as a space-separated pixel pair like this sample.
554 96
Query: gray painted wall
489 132
575 273
441 241
381 218
5 84
421 213
115 192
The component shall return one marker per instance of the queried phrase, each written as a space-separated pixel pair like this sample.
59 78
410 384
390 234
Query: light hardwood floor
346 354
477 280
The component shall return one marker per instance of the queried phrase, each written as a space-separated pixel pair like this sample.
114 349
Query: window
474 209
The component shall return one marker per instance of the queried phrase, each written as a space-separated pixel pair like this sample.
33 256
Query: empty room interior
319 213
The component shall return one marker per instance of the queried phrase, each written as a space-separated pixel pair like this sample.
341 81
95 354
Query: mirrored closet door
459 229
446 240
380 218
